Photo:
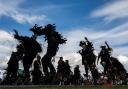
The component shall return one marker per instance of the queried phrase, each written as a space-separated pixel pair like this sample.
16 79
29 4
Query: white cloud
5 36
123 59
23 18
113 10
115 37
69 50
12 10
7 45
75 59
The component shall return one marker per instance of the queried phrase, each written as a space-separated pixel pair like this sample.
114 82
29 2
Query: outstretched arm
109 48
88 42
37 30
16 35
107 45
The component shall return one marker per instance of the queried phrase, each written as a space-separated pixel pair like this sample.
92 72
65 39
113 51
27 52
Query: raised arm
109 48
16 35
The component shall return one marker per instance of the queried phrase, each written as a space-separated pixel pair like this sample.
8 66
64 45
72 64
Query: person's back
60 67
104 55
89 48
77 72
13 63
36 71
67 68
37 66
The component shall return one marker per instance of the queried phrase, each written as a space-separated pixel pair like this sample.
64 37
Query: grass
63 87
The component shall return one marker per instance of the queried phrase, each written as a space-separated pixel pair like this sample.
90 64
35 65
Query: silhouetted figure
13 65
14 59
118 70
67 74
60 67
104 55
76 75
53 39
118 65
37 73
61 70
95 74
67 68
31 48
88 57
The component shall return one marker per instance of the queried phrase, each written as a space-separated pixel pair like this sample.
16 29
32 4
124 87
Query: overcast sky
99 20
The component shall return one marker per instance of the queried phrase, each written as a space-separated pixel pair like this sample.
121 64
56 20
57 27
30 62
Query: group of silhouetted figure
29 48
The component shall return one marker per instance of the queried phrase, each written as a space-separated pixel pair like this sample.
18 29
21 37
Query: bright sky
99 20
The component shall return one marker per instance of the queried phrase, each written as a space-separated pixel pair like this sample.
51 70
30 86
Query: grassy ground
63 87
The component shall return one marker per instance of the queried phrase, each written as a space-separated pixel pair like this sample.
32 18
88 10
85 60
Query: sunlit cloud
69 50
116 9
115 37
12 10
7 45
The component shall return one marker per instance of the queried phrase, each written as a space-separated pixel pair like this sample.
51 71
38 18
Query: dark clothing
54 39
76 73
89 47
31 48
105 56
105 59
95 75
46 63
76 77
13 64
36 73
67 69
118 65
88 57
61 67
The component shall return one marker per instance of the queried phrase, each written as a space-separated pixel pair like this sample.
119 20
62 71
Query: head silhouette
50 27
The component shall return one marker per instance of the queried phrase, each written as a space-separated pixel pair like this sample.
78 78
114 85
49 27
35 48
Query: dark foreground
64 87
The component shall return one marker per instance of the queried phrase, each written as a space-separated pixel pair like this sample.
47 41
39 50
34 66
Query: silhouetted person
31 49
61 69
89 46
37 73
13 65
117 70
95 74
104 55
67 68
53 39
88 57
67 73
76 75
